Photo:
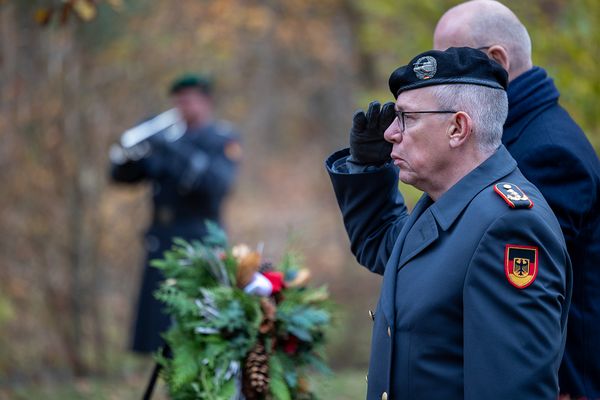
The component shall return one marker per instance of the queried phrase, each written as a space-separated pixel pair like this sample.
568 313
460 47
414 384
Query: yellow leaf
84 9
42 15
116 4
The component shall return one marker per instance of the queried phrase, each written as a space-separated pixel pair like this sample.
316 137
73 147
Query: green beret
191 81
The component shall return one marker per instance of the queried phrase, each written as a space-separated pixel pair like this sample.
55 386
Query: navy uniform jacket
190 178
449 323
554 154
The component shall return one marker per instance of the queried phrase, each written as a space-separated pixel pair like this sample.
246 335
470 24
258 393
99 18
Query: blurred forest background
289 74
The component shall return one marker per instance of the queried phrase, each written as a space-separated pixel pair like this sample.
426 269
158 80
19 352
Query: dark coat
554 154
190 178
450 324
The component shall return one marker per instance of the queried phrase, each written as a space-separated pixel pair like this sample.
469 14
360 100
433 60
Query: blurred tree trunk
75 201
8 67
82 202
366 62
44 100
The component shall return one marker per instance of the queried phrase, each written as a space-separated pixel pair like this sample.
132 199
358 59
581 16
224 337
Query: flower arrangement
242 328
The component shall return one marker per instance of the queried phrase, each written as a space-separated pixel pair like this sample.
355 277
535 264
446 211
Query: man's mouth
397 160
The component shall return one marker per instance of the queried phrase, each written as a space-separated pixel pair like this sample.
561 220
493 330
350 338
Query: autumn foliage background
289 74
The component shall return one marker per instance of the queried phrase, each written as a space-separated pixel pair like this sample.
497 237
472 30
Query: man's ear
460 129
500 55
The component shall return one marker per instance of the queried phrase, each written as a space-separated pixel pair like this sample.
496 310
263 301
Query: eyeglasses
400 116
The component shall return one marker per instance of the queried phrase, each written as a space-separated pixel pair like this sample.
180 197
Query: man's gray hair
486 106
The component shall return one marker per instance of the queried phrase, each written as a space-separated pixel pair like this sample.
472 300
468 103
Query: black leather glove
367 145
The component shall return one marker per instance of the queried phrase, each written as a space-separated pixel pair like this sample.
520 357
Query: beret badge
425 67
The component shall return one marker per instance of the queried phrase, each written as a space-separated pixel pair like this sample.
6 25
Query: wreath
242 328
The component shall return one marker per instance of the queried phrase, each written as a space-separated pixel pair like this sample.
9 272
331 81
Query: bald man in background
554 154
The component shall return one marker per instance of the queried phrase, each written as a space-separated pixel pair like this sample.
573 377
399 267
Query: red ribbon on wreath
276 279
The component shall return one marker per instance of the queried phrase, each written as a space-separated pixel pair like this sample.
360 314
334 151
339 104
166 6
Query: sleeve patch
233 151
513 195
520 265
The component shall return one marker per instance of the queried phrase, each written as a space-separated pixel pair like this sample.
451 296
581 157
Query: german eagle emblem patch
520 265
512 195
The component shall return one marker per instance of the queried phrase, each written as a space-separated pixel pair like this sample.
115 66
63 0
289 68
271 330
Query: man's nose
393 134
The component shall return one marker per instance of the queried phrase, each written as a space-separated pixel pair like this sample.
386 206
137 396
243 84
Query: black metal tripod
165 352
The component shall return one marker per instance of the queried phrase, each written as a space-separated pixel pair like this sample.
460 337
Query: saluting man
476 279
554 154
190 178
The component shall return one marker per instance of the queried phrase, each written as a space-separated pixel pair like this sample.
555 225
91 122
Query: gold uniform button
390 335
384 396
372 315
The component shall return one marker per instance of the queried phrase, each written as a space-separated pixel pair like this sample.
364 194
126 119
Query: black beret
456 65
191 81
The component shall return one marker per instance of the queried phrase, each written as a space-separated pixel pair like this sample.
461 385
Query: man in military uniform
190 177
476 279
554 154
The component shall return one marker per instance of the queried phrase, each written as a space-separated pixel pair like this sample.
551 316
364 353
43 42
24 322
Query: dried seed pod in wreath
269 310
248 264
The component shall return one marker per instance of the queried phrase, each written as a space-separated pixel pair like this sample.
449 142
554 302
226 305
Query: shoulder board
512 195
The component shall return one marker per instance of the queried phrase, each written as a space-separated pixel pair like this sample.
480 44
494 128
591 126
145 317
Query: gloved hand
367 145
120 155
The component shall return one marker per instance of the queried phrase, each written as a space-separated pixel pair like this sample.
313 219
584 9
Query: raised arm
366 187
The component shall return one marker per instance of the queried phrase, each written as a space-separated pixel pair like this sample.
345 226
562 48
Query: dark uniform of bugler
476 285
190 178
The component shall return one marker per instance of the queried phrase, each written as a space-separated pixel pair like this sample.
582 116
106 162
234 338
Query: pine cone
256 373
303 385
